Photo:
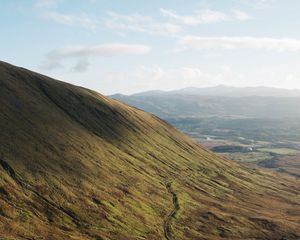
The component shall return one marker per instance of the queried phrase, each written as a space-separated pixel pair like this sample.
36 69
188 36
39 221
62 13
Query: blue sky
134 45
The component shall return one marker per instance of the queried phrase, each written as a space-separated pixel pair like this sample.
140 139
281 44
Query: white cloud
140 23
60 18
240 15
82 19
200 17
259 4
205 16
82 53
291 79
134 22
278 44
45 3
104 50
81 65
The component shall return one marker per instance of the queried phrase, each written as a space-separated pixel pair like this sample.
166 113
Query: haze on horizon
143 45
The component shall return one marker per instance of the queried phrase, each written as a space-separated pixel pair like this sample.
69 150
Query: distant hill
227 91
77 165
255 102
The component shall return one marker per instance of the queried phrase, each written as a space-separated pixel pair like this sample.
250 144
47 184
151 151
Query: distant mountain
258 102
227 91
150 93
77 165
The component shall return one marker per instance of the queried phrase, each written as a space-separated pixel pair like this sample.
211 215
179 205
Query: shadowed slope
77 165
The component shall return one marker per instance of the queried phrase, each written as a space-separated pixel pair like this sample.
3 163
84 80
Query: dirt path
172 214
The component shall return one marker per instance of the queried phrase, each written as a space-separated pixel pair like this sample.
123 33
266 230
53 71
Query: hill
77 165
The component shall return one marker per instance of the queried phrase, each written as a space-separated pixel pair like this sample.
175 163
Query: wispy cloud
81 65
205 16
240 15
45 3
132 22
140 23
82 53
83 19
48 10
259 4
143 23
277 44
199 17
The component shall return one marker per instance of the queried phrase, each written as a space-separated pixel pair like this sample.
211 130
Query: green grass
250 157
280 151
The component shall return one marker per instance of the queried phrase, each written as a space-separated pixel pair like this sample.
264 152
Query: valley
247 140
245 127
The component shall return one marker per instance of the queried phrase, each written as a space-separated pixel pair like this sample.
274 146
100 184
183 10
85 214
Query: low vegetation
279 151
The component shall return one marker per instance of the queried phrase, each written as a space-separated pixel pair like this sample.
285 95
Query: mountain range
227 91
220 101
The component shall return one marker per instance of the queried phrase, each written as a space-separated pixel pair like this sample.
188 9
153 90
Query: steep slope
77 165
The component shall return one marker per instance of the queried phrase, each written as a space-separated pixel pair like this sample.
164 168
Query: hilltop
77 165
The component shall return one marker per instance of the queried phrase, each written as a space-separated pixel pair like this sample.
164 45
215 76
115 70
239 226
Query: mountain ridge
173 105
223 91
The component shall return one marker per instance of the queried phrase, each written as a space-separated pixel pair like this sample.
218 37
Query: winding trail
172 214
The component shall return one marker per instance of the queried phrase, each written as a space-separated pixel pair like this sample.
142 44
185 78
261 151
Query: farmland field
269 143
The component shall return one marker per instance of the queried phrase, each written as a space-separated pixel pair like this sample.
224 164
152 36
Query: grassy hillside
77 165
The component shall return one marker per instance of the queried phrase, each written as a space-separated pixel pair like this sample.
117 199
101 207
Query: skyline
142 46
